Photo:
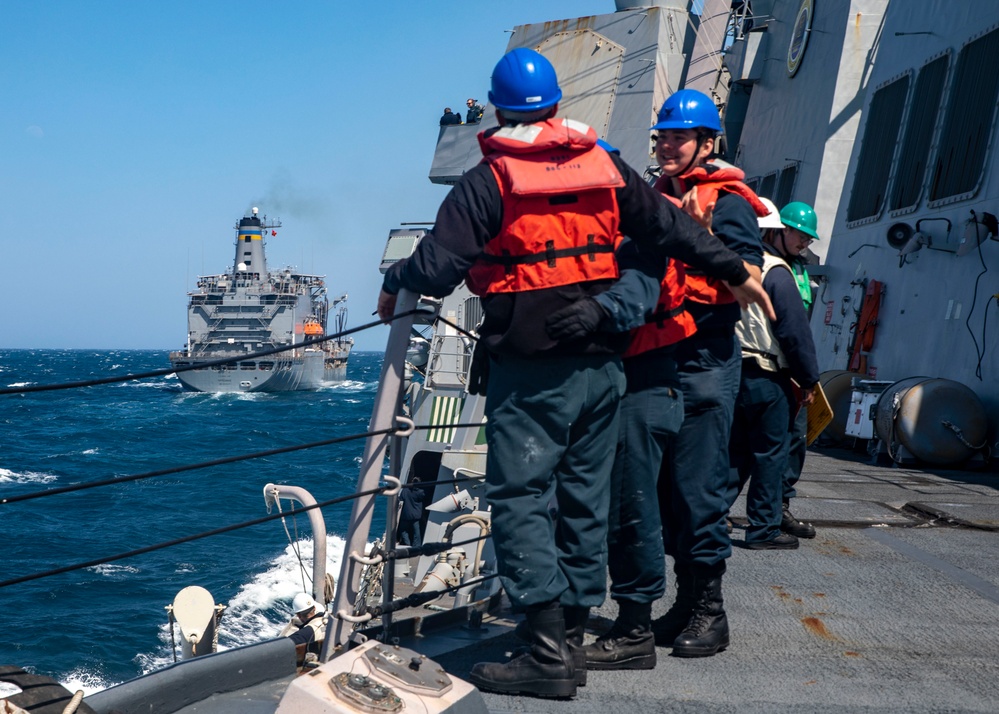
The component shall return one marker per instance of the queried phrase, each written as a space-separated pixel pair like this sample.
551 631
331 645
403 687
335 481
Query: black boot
629 644
668 627
545 670
791 525
575 628
707 631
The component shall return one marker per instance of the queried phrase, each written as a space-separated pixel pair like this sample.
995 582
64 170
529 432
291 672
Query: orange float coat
560 212
700 288
670 322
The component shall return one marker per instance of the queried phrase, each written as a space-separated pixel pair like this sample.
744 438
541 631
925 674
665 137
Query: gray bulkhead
834 135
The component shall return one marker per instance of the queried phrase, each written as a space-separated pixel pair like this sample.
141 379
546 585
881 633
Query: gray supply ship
251 309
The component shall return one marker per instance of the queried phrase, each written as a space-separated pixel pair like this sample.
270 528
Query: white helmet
772 219
304 602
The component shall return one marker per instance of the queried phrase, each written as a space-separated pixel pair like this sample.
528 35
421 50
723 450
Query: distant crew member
310 619
450 117
551 403
474 113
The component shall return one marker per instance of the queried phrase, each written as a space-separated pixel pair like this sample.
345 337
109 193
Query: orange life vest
700 288
670 322
560 212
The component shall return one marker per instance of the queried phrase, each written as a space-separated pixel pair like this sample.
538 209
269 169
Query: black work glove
575 321
478 371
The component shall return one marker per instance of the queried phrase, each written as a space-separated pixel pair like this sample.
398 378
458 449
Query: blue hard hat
607 147
524 81
688 109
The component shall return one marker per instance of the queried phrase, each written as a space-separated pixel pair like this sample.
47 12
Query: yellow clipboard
820 414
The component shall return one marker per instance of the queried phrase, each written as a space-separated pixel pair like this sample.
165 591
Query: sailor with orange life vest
693 488
651 413
534 230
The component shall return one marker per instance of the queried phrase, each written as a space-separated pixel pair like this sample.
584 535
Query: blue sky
133 136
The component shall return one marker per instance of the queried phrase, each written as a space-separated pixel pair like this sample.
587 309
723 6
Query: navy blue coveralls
552 406
765 409
694 485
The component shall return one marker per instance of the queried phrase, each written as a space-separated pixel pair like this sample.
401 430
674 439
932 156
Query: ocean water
98 626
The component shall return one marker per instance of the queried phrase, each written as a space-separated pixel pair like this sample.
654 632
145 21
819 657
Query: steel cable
206 464
207 363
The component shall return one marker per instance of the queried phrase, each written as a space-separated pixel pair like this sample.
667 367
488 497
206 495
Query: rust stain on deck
817 627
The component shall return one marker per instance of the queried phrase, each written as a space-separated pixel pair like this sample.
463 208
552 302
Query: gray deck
894 606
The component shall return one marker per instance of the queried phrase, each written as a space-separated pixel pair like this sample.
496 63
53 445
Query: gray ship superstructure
249 310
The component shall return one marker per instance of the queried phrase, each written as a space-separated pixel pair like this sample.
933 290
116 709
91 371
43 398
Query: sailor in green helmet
799 230
796 231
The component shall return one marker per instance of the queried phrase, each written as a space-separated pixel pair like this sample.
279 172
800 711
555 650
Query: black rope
205 364
216 462
227 529
466 333
420 598
189 467
188 539
979 352
411 551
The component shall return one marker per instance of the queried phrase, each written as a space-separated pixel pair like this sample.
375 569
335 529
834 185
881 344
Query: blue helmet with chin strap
524 81
689 109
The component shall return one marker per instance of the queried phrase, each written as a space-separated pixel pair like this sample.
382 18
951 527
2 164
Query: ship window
918 134
266 366
767 185
785 185
247 365
967 129
246 239
754 184
884 119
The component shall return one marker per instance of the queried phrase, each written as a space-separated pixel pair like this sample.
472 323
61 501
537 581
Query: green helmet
800 216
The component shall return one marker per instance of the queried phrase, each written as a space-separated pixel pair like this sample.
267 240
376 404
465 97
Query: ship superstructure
882 115
251 309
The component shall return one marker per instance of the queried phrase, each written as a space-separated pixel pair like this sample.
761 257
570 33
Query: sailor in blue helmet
534 230
693 486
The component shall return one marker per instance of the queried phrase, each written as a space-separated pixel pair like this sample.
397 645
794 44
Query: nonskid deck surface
888 609
893 607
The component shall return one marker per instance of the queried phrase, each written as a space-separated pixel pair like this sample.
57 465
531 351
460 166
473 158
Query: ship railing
383 416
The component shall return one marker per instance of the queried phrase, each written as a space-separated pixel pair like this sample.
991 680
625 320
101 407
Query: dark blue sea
98 626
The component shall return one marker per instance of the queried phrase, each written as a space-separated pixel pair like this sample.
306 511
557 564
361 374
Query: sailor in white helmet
310 619
777 354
